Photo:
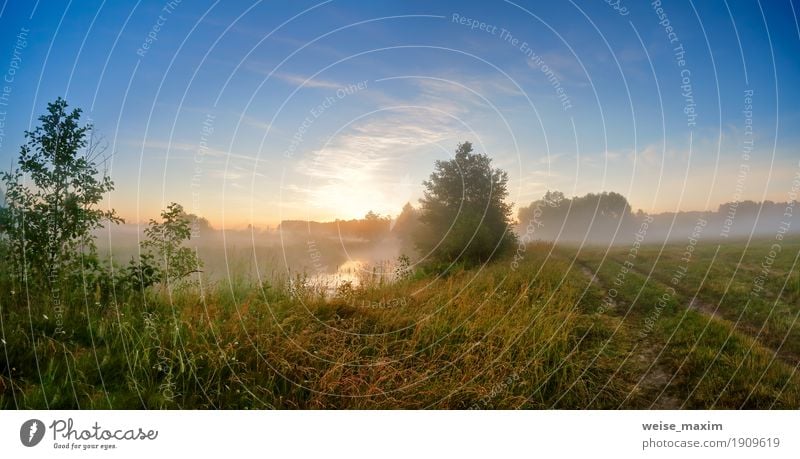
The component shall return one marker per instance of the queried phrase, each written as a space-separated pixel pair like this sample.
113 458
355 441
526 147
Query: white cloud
297 80
367 167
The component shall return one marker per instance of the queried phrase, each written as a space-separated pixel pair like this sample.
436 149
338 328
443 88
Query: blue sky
253 112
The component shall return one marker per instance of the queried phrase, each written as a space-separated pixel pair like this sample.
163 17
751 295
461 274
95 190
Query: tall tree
53 196
463 214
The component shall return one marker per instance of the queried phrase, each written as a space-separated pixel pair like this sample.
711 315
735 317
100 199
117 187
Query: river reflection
356 273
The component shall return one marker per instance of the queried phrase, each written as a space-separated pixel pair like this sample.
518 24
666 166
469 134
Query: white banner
399 434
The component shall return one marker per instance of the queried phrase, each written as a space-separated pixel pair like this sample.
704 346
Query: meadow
557 326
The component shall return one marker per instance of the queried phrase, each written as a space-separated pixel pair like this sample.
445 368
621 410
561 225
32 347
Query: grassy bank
483 338
541 334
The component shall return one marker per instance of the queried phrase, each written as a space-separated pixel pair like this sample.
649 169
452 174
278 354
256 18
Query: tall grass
481 338
496 336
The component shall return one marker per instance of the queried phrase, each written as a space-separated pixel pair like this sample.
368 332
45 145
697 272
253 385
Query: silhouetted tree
373 227
200 225
463 214
406 223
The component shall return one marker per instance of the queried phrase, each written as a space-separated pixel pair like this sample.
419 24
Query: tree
373 227
164 257
595 217
463 214
200 225
3 214
52 198
406 224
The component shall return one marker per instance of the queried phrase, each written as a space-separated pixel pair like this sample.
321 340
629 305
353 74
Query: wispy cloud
367 167
165 145
257 123
298 80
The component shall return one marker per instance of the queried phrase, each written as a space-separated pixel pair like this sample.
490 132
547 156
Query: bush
164 258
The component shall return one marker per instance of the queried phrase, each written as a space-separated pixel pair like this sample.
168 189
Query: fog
607 219
353 250
321 252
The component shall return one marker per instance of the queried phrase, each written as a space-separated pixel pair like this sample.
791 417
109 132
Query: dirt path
704 308
657 375
592 278
657 378
714 312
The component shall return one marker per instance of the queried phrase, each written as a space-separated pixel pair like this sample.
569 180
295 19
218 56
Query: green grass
492 337
738 348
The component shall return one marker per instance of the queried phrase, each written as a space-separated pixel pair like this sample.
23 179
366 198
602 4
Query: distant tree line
373 227
555 216
603 218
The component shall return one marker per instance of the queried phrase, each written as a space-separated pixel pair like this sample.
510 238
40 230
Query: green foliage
142 273
52 197
463 214
164 258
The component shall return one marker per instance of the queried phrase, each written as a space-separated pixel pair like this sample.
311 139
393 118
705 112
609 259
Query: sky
253 112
